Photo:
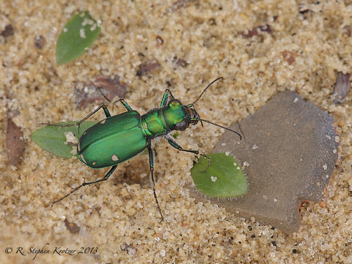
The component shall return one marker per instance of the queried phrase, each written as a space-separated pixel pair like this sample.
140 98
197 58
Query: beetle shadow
136 172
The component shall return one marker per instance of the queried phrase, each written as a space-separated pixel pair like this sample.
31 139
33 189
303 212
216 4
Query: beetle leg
205 156
125 104
106 111
174 144
111 171
151 167
167 93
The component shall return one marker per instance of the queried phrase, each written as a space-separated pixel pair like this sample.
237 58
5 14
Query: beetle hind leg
110 172
104 107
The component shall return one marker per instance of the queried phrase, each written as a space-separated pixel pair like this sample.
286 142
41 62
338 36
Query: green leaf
53 138
78 34
223 178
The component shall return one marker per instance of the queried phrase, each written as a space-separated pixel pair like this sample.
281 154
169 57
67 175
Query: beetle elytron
118 138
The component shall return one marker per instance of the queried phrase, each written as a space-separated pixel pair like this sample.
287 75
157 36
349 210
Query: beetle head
179 117
192 114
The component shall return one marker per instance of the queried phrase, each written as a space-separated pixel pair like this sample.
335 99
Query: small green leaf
223 178
52 138
78 34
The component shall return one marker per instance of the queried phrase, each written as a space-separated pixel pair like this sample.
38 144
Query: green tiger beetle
118 138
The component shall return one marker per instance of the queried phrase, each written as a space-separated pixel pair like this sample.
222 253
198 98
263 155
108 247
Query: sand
117 221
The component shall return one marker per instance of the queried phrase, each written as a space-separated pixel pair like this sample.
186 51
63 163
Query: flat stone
288 151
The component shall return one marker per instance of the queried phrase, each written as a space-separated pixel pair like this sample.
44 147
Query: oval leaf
78 34
223 178
52 138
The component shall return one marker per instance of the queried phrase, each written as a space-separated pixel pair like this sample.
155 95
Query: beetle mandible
118 138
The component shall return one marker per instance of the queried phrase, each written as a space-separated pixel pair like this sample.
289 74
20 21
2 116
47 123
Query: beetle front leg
151 167
167 93
174 144
111 171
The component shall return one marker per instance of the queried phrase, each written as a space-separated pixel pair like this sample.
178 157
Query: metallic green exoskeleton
121 137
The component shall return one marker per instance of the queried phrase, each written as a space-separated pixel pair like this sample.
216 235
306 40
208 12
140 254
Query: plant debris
342 87
14 142
87 93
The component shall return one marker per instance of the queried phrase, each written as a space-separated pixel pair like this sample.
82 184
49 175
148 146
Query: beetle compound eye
174 103
182 125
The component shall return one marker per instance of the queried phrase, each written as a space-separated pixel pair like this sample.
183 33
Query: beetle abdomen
112 141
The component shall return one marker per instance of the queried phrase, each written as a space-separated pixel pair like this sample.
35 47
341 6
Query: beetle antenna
222 127
220 78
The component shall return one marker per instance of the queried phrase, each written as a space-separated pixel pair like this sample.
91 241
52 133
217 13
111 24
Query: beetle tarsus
205 156
111 171
75 189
